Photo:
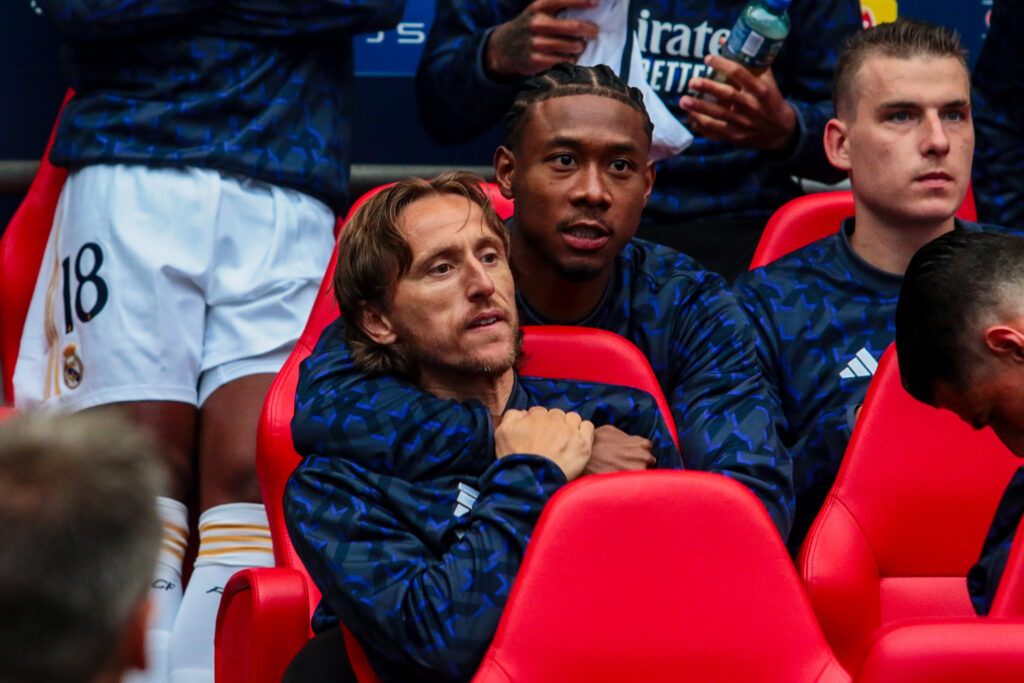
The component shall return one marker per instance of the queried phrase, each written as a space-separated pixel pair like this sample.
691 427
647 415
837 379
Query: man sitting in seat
575 161
960 342
415 544
824 314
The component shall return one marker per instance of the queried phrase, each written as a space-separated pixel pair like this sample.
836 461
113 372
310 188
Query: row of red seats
897 534
895 540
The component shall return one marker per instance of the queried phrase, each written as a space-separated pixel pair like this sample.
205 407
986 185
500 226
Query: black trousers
322 660
725 246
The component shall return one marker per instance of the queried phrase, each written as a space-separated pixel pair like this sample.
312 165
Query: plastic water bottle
757 36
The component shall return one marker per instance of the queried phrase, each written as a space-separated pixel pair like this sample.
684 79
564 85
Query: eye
489 258
956 115
563 160
440 269
621 165
899 116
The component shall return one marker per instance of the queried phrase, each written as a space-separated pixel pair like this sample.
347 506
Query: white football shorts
165 284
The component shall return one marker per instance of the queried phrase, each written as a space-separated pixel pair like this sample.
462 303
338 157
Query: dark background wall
32 85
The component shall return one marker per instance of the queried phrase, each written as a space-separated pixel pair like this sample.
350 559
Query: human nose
478 279
936 139
591 187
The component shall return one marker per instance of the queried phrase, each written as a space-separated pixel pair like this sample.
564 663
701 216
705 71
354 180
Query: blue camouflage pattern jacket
258 88
458 100
702 350
983 578
409 526
823 317
998 112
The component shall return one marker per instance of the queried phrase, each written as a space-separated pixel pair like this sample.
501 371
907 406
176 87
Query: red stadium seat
21 254
264 614
586 354
947 651
657 576
905 519
810 217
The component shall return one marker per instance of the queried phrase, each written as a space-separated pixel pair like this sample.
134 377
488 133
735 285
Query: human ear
377 326
649 174
1006 341
504 170
836 143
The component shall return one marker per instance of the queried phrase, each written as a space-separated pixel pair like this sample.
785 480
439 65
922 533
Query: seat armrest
951 650
263 621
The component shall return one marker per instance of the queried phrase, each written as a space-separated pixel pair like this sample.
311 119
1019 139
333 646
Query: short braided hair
565 80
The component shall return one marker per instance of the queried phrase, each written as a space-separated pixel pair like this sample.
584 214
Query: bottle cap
778 5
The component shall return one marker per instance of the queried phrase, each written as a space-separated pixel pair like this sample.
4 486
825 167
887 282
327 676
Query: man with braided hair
712 200
575 162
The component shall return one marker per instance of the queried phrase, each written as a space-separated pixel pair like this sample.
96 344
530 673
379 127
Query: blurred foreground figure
80 535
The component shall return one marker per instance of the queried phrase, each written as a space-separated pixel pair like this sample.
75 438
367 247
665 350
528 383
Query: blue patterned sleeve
632 410
273 18
723 408
635 412
983 578
804 71
419 606
86 19
666 455
998 111
380 421
457 100
89 19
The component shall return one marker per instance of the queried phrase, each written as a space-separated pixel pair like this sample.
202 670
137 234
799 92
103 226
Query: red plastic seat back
810 217
905 519
21 254
950 651
586 354
801 221
657 576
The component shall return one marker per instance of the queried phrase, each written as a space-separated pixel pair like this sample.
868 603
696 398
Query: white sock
164 592
231 537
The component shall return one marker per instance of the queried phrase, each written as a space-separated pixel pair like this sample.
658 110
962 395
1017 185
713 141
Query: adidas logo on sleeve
863 364
466 500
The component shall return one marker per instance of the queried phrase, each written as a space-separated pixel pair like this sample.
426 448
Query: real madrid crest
72 367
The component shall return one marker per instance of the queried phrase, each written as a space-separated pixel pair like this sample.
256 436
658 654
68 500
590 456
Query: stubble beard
426 357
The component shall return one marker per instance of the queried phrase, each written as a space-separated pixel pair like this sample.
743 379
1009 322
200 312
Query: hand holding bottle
748 111
740 102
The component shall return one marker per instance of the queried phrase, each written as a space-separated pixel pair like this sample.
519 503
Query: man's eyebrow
619 147
899 104
445 250
907 104
564 141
